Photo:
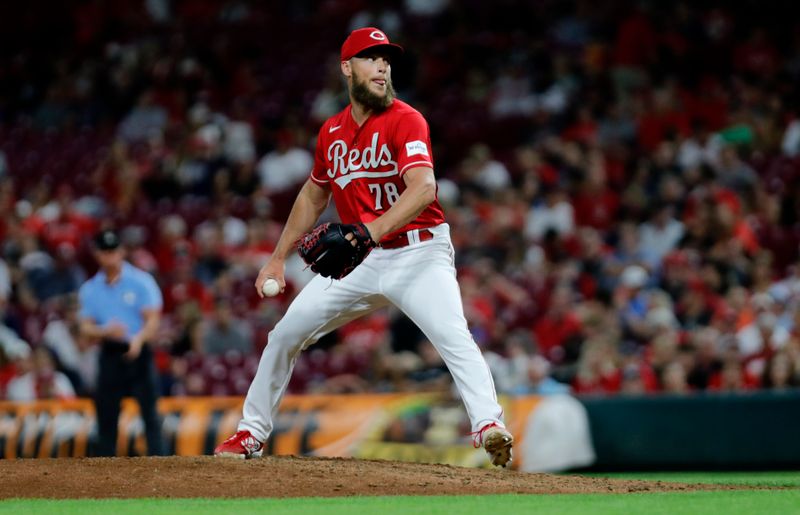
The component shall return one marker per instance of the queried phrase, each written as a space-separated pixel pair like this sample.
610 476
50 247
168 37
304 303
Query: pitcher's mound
284 476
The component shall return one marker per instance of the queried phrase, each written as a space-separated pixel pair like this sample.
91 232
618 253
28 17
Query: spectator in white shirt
40 380
555 213
659 235
791 139
285 167
77 356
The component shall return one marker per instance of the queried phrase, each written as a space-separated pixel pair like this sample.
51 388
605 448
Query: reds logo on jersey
351 164
363 166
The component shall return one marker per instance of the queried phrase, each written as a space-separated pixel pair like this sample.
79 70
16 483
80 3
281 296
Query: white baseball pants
420 279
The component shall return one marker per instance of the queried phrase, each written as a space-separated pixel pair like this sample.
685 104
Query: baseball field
200 485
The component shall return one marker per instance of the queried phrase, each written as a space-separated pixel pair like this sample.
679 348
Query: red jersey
364 166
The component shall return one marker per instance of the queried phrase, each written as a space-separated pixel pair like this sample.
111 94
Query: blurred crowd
622 181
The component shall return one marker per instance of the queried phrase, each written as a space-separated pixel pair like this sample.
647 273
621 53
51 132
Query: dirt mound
284 476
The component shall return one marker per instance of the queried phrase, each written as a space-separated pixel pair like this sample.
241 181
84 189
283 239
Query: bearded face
361 93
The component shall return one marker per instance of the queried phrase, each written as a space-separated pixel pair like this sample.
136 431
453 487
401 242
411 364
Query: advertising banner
419 427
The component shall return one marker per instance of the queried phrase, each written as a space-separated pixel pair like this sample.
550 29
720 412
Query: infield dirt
286 476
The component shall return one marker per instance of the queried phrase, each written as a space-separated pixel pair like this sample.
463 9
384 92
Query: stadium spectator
763 335
223 331
780 373
14 351
674 379
76 356
554 214
145 120
285 167
62 277
659 235
557 325
38 379
539 381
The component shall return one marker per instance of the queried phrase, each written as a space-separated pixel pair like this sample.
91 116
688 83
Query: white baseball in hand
270 288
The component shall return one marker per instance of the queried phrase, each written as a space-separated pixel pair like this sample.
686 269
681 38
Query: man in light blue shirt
121 308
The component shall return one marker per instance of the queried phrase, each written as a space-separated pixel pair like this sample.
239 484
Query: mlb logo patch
129 298
417 147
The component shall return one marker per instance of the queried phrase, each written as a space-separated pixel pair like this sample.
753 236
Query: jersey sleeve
86 302
412 143
152 293
319 174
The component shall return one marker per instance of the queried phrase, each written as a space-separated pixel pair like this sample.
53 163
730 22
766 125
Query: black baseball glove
330 254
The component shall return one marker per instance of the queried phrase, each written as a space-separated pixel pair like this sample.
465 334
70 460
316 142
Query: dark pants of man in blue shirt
119 377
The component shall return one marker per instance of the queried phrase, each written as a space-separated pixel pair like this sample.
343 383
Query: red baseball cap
368 37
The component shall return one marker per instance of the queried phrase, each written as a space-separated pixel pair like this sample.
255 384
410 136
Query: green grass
722 503
743 502
782 479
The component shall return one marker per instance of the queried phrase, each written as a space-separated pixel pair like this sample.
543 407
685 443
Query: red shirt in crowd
552 331
596 209
70 228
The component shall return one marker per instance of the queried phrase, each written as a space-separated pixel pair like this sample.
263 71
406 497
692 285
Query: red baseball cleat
242 445
497 442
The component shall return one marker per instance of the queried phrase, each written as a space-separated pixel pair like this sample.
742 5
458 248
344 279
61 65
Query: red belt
403 240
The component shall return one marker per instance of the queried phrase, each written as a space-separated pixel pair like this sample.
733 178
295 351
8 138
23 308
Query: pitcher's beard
362 94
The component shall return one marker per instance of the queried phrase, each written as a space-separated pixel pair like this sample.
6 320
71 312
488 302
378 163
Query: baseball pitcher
393 247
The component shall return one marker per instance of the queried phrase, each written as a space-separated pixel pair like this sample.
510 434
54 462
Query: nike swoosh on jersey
344 180
332 129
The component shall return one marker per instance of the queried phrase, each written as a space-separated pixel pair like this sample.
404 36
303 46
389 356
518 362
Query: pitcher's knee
279 340
452 339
